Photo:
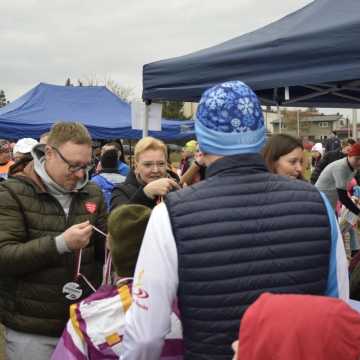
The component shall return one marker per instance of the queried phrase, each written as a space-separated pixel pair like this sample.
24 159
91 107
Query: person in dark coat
148 182
47 212
109 176
123 168
333 143
216 246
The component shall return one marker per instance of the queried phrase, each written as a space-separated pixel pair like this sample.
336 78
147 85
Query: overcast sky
51 40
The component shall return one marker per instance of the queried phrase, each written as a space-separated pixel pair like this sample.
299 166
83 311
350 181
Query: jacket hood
106 181
299 327
113 178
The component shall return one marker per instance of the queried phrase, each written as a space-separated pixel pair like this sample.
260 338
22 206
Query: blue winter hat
230 120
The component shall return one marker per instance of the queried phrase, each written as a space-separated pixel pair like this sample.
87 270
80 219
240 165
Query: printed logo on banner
90 207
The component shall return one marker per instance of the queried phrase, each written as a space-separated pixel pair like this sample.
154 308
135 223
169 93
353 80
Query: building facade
313 127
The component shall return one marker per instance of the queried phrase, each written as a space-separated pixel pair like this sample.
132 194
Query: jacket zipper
71 255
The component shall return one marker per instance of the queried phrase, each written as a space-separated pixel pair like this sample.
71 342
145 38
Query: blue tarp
314 51
104 114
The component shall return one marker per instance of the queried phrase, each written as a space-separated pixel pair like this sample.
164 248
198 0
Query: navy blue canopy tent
104 114
314 52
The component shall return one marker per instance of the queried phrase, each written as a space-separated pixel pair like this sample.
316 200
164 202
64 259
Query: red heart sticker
90 207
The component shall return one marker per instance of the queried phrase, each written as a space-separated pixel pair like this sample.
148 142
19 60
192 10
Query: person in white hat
23 147
317 153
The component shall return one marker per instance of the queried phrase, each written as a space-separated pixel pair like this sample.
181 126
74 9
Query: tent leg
279 118
354 124
146 122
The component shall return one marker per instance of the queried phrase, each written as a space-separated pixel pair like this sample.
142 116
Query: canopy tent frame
318 90
314 53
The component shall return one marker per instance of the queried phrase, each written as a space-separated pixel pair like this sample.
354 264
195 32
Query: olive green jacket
32 272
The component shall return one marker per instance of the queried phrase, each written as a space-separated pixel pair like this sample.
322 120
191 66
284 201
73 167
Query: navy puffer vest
241 232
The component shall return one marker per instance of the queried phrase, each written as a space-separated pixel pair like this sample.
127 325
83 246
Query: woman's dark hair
277 146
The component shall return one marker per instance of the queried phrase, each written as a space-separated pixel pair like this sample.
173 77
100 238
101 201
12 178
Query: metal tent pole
354 124
279 117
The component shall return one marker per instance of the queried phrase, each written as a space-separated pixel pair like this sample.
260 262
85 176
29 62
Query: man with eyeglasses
49 254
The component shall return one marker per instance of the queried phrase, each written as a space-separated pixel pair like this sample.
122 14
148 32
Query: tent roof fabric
103 113
318 44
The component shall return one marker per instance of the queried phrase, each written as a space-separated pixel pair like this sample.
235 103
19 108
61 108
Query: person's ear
48 152
136 167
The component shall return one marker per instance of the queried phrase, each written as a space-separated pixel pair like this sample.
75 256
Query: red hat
308 145
299 327
354 150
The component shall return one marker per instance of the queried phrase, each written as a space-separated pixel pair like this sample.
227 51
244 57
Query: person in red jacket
298 327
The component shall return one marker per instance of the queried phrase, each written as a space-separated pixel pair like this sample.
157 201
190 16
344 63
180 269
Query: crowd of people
234 253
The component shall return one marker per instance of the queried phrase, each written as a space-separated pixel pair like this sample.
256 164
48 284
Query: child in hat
96 324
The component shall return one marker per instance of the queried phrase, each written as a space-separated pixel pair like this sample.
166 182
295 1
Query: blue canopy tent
104 114
314 52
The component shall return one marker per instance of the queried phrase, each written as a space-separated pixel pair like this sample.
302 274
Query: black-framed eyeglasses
71 167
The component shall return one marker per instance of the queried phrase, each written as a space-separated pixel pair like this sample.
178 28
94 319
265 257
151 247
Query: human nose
80 173
156 167
299 167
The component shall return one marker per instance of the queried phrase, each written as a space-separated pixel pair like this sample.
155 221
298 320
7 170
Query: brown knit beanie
126 225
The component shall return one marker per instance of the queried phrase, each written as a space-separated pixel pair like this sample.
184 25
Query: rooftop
316 118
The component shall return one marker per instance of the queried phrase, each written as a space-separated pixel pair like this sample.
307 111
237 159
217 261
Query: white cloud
49 41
